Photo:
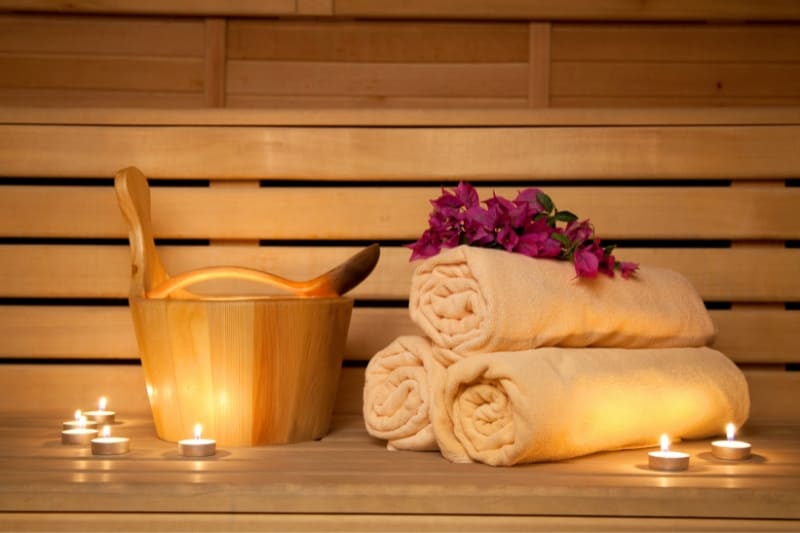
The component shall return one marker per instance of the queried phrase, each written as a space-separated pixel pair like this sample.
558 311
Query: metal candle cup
108 445
730 449
101 416
197 447
77 423
665 459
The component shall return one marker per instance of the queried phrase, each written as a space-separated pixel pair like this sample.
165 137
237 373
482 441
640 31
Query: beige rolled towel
558 403
476 300
398 394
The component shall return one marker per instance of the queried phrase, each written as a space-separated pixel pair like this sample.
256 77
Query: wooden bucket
251 370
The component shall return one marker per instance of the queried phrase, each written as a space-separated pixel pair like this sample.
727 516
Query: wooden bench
712 193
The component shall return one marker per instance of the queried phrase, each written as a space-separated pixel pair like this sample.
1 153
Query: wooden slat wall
64 262
52 60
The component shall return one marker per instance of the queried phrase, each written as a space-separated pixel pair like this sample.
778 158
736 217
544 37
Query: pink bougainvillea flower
529 225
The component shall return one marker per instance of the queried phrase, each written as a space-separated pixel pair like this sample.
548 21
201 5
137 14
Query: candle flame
198 430
81 421
664 442
730 431
78 415
102 403
106 431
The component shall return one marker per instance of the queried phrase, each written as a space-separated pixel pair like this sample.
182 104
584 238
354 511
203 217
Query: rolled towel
558 403
477 300
398 394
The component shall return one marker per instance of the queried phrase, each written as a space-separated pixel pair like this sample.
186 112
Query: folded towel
397 394
557 403
477 300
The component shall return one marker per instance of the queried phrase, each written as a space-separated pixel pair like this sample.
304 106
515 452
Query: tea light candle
732 450
665 459
197 447
78 423
108 445
78 435
101 415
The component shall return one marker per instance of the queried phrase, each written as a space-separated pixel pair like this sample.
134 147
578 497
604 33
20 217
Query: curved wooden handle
184 279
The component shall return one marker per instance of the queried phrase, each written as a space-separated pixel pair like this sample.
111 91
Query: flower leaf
565 216
545 202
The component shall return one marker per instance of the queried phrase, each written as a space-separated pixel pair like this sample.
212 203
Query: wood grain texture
86 271
48 99
656 116
736 10
158 7
377 42
702 43
753 335
752 152
539 65
761 212
215 62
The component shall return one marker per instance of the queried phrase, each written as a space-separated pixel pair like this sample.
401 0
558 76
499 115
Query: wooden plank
84 271
80 72
373 103
595 103
384 522
315 7
393 213
214 80
157 7
377 79
752 152
62 388
101 36
736 10
705 116
582 78
47 99
539 65
754 336
744 43
378 42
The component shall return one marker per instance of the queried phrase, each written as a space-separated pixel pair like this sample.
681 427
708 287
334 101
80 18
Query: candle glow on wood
80 421
197 446
101 415
108 445
665 459
730 449
80 434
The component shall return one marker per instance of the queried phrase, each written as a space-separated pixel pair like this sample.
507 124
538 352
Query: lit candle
665 459
108 445
197 447
78 423
101 415
731 449
78 435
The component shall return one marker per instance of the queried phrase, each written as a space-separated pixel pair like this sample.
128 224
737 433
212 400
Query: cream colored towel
476 300
398 394
557 403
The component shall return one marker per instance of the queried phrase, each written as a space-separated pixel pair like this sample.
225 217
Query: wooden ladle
150 279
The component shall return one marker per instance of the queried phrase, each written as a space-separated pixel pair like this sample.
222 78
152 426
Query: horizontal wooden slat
157 7
756 212
63 388
376 79
102 36
80 522
49 98
82 271
582 78
745 43
373 102
705 116
124 73
401 42
105 332
736 10
752 152
670 102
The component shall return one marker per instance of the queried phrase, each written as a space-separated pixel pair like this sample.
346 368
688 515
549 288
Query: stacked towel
477 300
527 363
398 394
548 404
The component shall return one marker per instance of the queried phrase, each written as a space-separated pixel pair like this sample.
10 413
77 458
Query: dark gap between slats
66 302
98 182
98 241
521 184
68 361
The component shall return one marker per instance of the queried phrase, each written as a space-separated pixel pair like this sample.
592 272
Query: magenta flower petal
627 269
586 263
